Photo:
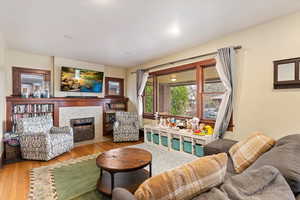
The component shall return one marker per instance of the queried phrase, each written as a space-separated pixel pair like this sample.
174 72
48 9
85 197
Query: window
184 92
148 96
213 90
177 94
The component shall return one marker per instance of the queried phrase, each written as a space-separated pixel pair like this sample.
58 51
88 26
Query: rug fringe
43 176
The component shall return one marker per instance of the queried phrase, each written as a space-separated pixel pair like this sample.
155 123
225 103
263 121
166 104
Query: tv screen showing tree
81 80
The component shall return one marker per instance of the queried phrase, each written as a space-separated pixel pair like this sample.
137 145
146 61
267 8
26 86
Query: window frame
203 93
199 66
148 114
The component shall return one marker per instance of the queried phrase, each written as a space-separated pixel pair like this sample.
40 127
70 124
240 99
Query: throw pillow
245 152
285 157
186 181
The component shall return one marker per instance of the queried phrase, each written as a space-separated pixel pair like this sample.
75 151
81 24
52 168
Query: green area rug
74 179
77 181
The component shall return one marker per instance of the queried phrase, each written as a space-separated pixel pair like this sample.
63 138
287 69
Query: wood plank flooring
14 178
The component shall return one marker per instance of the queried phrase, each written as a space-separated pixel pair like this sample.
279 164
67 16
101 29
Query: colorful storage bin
155 138
149 136
176 144
164 140
187 146
199 150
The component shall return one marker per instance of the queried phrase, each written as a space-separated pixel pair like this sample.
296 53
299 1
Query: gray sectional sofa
284 156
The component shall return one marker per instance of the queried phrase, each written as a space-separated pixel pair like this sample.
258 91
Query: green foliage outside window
179 100
149 99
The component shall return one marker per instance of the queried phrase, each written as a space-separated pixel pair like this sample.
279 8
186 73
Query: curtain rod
185 59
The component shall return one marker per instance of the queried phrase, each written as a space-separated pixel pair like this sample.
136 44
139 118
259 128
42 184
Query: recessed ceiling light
101 2
68 37
127 53
174 29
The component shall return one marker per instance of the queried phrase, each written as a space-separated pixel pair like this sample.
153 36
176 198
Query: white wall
14 58
257 106
2 88
29 60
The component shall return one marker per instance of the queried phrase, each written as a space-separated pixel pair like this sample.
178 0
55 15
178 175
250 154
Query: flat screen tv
81 80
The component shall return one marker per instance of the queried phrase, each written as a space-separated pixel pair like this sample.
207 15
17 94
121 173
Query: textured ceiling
128 32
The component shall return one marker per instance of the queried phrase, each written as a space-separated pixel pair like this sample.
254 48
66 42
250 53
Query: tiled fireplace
67 114
83 129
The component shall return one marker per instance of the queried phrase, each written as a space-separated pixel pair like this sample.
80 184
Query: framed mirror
286 73
114 87
30 81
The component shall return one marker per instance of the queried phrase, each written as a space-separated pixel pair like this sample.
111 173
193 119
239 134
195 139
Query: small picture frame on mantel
287 73
114 87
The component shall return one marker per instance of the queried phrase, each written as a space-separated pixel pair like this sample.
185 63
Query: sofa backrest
285 157
126 117
32 125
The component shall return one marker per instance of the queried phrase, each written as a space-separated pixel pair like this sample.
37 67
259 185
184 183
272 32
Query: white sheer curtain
225 64
141 80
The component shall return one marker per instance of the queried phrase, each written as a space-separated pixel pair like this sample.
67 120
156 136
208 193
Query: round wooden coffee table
123 167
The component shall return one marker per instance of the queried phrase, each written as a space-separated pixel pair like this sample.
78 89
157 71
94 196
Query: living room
104 99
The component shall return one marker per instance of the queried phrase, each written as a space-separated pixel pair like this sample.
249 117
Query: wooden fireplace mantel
58 102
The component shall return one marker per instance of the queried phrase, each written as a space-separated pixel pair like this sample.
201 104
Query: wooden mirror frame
121 83
16 77
287 84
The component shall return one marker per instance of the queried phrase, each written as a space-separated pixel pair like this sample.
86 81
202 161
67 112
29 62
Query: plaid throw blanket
245 152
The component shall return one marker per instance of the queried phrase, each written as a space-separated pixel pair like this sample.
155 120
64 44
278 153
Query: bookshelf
29 110
109 115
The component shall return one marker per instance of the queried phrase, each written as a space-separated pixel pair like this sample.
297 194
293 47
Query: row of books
116 106
32 108
110 118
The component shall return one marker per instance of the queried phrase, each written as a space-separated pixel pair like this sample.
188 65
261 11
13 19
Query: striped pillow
186 181
245 152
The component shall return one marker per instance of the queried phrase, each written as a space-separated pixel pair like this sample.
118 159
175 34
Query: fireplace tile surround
66 114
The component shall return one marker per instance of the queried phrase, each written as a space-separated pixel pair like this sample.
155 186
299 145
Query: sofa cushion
218 146
245 152
285 157
186 181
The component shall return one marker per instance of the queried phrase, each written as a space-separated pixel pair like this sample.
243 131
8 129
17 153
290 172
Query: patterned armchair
126 127
39 140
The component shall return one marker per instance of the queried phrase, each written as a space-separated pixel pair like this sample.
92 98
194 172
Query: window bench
176 140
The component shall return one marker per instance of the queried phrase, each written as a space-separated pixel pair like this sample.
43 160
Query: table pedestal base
128 180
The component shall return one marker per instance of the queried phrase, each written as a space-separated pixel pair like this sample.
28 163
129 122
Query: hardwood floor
14 178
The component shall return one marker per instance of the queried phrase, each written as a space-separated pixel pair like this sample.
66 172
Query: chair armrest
27 138
218 146
122 194
62 130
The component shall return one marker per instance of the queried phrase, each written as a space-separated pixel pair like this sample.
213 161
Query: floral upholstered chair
39 140
126 127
